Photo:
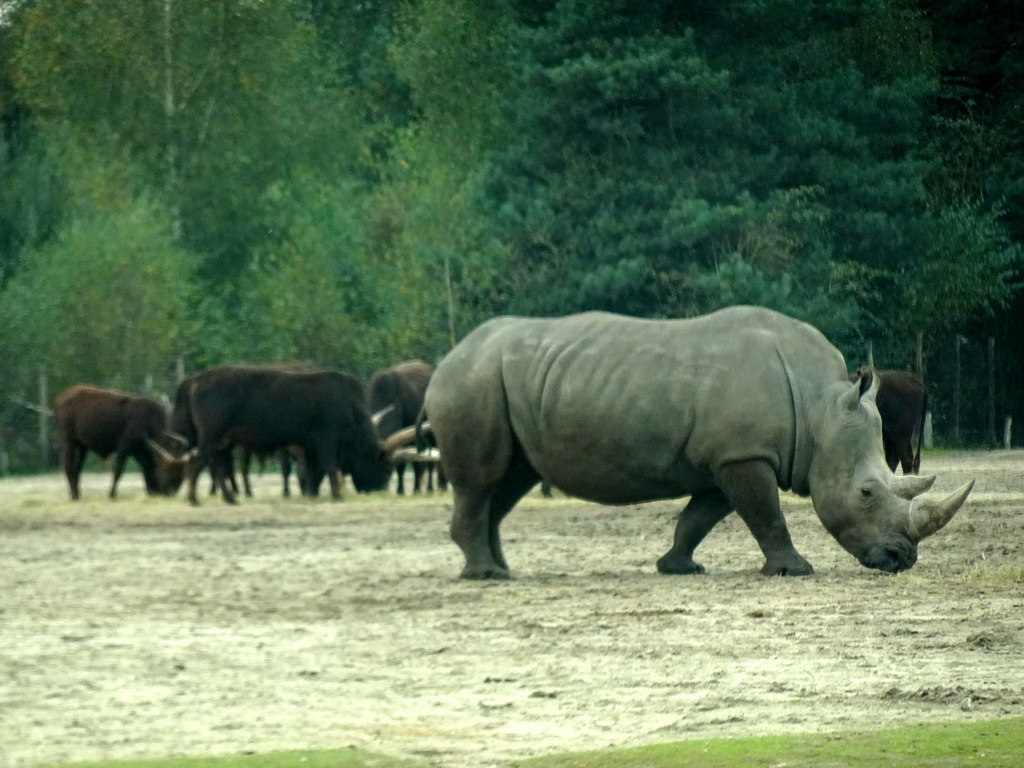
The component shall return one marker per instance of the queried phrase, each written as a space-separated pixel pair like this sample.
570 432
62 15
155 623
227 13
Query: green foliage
31 196
966 265
310 297
215 102
361 183
103 303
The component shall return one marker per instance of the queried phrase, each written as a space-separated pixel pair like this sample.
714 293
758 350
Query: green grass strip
944 745
985 744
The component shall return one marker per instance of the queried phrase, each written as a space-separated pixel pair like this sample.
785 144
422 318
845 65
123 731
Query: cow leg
246 462
400 471
417 476
752 488
119 460
73 459
907 459
703 512
147 463
892 453
286 471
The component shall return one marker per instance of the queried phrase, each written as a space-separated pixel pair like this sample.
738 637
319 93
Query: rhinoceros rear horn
909 486
927 517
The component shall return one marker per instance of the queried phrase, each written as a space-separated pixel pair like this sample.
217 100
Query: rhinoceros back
620 409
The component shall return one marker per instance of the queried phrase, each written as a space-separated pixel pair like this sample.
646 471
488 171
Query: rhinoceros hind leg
705 510
753 490
478 515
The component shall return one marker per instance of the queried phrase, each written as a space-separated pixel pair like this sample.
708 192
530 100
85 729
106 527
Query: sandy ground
145 627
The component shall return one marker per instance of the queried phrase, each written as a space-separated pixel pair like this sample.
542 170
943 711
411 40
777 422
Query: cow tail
920 432
421 437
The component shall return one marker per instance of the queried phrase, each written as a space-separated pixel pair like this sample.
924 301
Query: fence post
957 341
928 430
1008 433
992 391
920 356
44 417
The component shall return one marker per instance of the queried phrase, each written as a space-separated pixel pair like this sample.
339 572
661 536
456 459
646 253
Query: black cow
397 394
902 403
107 422
266 408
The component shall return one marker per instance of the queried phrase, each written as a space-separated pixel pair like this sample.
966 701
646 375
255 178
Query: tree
216 102
103 304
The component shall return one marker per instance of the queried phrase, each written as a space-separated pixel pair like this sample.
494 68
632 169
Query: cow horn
409 454
927 517
909 486
379 415
161 451
176 437
396 440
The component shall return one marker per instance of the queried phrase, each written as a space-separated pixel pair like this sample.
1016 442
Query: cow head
875 515
171 461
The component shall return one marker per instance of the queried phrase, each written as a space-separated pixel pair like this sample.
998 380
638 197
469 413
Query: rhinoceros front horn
927 517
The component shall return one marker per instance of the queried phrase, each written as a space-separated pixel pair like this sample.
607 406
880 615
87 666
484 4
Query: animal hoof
479 574
679 566
789 568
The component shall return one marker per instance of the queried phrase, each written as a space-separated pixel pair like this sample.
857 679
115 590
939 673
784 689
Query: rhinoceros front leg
752 489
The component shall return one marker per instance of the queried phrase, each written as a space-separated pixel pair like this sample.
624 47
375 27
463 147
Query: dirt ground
146 627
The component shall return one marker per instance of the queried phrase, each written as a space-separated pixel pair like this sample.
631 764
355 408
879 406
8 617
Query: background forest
359 183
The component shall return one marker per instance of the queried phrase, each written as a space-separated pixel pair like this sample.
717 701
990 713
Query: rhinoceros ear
864 382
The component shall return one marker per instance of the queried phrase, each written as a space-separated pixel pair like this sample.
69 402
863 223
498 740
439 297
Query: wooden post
992 391
44 418
1008 433
179 370
928 430
957 341
920 356
871 354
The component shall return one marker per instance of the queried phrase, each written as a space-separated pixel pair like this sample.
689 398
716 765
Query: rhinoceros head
875 515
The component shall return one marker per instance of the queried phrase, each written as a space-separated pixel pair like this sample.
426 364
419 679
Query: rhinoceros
726 408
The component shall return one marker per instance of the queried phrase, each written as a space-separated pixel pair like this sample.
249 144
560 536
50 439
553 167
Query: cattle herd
316 419
725 409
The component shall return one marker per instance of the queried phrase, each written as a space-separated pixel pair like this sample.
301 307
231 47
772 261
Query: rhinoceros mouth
891 558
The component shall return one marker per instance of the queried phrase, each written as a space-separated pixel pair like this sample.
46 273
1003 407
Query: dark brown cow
902 403
399 391
107 422
265 408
